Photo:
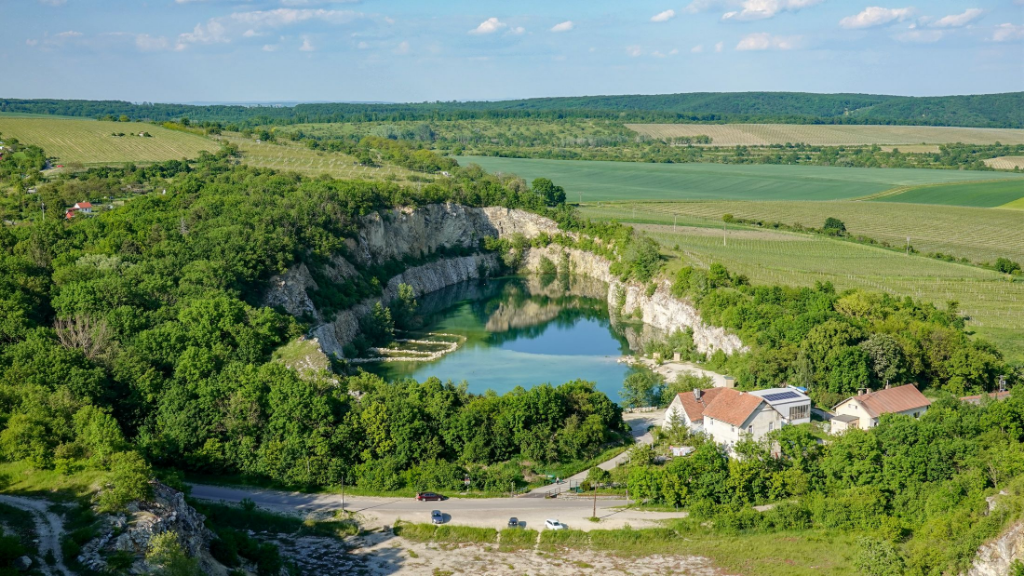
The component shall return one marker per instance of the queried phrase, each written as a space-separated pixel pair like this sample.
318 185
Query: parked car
554 525
429 497
513 522
436 517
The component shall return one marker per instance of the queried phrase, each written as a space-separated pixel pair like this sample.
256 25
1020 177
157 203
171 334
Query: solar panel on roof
780 396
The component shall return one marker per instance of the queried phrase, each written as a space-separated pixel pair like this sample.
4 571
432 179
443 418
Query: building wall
677 406
783 408
764 420
854 408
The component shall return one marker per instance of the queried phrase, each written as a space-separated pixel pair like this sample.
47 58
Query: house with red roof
863 410
735 415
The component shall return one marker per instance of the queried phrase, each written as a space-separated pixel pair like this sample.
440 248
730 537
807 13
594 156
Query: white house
863 410
794 405
734 414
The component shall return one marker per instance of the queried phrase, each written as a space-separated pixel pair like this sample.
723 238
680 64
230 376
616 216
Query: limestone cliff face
660 311
417 233
995 557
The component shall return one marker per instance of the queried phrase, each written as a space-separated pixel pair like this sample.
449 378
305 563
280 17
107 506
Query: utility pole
594 515
342 494
675 218
908 245
512 491
725 235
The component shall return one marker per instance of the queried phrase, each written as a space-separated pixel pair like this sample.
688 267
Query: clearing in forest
605 181
829 135
92 142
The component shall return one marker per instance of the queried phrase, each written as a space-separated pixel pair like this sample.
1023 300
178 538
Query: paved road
483 512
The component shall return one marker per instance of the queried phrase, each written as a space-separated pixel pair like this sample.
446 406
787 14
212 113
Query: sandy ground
671 370
383 554
49 528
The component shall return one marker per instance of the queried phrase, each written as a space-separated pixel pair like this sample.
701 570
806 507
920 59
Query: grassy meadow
829 135
980 194
608 181
978 234
91 142
994 302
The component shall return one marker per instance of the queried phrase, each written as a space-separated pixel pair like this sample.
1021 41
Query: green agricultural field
978 234
994 302
829 135
292 157
90 142
980 194
604 181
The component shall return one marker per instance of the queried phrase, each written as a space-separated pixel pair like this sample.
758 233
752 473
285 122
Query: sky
422 50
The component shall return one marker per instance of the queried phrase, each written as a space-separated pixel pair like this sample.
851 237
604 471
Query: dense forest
990 110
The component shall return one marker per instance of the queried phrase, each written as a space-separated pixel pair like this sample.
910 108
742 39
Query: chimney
862 391
696 394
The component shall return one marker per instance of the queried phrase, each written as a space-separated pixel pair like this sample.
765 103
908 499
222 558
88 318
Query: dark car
513 522
429 497
436 517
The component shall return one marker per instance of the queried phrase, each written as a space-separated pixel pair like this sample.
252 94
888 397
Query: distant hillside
989 110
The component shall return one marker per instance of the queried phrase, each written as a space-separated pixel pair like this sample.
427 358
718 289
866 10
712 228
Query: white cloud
664 16
1008 32
307 45
762 9
673 52
765 41
634 51
697 49
958 20
362 46
488 26
254 23
68 34
269 48
720 46
150 43
875 16
563 26
402 48
517 30
31 42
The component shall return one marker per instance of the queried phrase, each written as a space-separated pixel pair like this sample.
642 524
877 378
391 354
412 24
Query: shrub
129 481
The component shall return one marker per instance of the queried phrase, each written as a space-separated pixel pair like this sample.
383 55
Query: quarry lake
519 332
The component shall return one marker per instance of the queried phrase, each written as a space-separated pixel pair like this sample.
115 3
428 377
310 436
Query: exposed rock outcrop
166 511
660 310
418 233
994 558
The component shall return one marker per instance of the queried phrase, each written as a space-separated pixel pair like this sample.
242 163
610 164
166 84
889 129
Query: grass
285 156
240 518
994 302
978 234
302 355
20 523
90 142
513 539
824 135
450 534
977 194
609 181
20 478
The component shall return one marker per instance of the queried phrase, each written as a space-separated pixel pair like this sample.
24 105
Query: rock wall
995 557
660 311
417 233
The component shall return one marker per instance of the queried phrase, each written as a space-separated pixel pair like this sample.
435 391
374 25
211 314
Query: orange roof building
863 410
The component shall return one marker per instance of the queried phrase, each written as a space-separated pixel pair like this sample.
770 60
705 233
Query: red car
429 497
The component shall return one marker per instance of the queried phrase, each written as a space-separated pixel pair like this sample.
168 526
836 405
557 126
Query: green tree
886 358
129 480
834 227
167 556
552 194
877 557
642 388
1007 266
404 306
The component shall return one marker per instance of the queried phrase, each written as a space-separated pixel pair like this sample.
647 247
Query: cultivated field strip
979 234
92 141
1005 162
289 157
994 302
830 135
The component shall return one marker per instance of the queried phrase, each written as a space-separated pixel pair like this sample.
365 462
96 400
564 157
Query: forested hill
989 110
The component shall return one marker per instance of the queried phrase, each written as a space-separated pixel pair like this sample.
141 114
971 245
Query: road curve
49 529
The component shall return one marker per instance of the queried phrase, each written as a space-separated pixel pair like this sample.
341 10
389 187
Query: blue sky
404 50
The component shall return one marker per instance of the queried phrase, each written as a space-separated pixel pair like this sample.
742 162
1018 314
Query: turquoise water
517 336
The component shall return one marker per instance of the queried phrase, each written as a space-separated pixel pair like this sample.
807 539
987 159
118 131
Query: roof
976 399
775 396
732 406
695 408
83 205
898 399
845 418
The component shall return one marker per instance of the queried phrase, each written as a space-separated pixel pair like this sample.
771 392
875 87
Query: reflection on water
521 332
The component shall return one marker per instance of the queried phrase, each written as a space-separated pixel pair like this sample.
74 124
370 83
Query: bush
129 481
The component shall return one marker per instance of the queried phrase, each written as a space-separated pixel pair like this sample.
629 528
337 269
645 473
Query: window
771 426
799 412
750 429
